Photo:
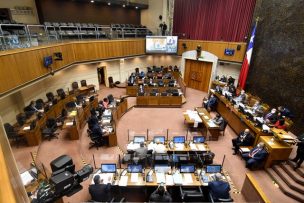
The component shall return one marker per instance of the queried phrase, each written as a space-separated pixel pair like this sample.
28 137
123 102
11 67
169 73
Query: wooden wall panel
217 48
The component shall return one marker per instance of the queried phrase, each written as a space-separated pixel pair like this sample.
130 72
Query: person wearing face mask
255 156
244 139
242 97
271 117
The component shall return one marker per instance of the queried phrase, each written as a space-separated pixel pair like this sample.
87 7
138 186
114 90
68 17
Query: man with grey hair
140 153
218 188
99 191
256 156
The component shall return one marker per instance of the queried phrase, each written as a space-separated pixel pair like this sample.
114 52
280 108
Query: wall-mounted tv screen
161 44
47 61
229 52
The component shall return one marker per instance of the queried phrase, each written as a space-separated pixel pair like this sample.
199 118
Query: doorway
101 75
197 74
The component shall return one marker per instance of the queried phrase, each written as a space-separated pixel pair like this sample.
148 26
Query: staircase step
289 181
292 173
300 170
284 187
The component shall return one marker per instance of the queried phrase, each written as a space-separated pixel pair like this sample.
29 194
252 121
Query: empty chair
96 140
12 133
39 104
50 96
83 83
49 131
75 85
61 93
191 194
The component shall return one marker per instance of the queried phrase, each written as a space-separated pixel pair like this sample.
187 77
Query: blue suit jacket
260 155
212 102
219 189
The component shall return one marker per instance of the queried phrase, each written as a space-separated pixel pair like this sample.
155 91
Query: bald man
244 139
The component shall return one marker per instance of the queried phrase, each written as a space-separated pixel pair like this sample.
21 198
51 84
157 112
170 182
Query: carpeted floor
139 120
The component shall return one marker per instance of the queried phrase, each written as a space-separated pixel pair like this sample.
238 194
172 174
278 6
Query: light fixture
92 1
123 5
136 7
109 3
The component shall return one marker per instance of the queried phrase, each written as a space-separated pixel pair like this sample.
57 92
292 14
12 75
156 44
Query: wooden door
197 74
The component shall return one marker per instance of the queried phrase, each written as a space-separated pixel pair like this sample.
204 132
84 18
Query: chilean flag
246 62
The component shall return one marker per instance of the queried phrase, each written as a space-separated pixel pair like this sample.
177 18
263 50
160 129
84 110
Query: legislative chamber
151 101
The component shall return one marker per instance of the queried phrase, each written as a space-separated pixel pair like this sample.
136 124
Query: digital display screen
198 139
161 44
108 168
133 168
159 139
139 139
213 168
162 168
187 168
179 139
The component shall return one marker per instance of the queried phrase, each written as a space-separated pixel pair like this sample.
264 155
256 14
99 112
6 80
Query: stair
289 181
300 171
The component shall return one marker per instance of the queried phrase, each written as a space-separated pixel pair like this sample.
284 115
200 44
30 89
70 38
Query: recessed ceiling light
136 7
109 4
92 1
123 5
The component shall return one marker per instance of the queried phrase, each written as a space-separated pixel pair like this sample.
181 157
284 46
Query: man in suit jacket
244 139
218 120
242 97
255 156
271 117
100 192
219 189
210 103
160 195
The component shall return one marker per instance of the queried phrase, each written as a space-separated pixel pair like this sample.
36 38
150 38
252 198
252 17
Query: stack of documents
134 177
188 178
177 179
193 147
211 124
169 180
133 146
123 181
179 146
160 178
26 178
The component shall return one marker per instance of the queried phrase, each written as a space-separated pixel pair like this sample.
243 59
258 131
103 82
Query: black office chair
49 131
70 105
21 119
61 93
12 134
75 85
28 111
191 194
83 83
96 139
50 96
212 200
223 127
39 104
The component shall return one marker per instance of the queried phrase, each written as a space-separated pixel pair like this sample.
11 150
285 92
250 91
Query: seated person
142 74
157 148
105 102
100 109
160 195
210 104
257 109
232 90
242 97
255 156
32 108
218 188
280 124
218 89
93 120
243 139
271 117
223 78
231 80
141 152
285 112
218 120
100 192
96 130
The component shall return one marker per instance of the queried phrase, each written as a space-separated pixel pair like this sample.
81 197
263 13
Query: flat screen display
213 168
134 168
187 168
161 44
108 168
139 139
198 139
162 168
179 139
159 139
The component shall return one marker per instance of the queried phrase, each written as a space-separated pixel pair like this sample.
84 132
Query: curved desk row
171 101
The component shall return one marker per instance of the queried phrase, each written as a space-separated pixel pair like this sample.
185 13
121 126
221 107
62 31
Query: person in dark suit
218 120
300 154
100 192
160 195
285 112
271 117
255 156
242 97
210 104
93 120
244 139
140 153
218 188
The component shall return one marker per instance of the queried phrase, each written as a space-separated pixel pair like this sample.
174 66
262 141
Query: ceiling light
109 4
92 1
123 5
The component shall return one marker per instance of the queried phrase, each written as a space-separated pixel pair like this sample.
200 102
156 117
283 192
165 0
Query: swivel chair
83 83
191 194
50 131
75 85
212 200
12 133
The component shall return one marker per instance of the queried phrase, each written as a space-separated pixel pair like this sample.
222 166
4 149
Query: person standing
300 154
163 28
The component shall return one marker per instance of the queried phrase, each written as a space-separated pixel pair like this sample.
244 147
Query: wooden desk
283 136
217 83
33 136
277 151
236 120
73 130
170 101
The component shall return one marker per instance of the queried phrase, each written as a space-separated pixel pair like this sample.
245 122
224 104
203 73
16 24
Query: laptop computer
162 168
213 168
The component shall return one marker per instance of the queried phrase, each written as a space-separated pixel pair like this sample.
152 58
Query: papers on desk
73 113
134 177
69 123
160 178
123 181
201 147
177 179
287 137
106 121
133 146
106 177
169 180
206 117
188 178
179 146
193 115
212 90
193 147
26 178
107 112
244 149
211 124
27 128
265 128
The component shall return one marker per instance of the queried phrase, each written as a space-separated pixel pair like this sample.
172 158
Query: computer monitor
134 168
139 139
187 168
179 139
242 108
162 168
108 168
213 168
198 139
159 139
